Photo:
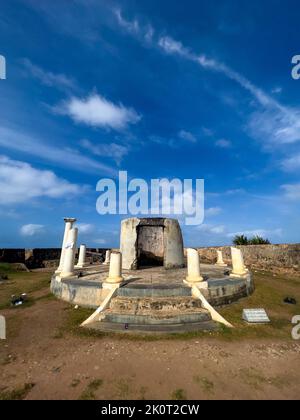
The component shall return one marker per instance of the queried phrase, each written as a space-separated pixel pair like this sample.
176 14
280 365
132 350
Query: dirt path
67 366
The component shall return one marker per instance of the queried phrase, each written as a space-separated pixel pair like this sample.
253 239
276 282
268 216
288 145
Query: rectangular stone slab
255 316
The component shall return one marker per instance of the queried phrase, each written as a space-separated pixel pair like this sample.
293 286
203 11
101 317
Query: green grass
179 394
269 294
17 393
123 389
254 378
5 268
142 393
75 383
73 320
21 282
206 385
89 392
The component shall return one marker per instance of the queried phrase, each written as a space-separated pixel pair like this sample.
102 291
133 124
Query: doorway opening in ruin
150 246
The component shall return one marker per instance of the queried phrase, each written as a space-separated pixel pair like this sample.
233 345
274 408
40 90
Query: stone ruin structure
127 297
151 242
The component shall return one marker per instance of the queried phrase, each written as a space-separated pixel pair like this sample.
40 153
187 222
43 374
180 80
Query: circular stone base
87 290
152 300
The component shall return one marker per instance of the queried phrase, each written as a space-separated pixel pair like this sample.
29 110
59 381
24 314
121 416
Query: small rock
290 301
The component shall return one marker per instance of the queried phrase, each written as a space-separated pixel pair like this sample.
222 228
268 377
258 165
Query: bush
240 240
256 240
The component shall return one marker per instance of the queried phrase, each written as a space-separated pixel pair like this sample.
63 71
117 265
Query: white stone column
68 226
193 267
238 266
81 259
115 269
2 328
107 257
220 261
70 251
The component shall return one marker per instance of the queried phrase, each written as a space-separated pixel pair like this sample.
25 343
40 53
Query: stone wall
12 255
266 257
44 257
38 257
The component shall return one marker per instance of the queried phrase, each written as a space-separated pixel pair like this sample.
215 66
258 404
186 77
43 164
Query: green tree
240 240
258 240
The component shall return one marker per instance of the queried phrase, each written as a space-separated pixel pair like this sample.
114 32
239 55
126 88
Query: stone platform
152 299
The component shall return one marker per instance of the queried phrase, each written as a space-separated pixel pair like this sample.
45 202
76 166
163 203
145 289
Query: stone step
161 318
159 305
141 290
153 328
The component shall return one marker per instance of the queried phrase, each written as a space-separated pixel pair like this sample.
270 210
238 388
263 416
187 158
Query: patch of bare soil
42 360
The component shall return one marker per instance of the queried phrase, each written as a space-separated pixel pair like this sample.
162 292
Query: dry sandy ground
70 366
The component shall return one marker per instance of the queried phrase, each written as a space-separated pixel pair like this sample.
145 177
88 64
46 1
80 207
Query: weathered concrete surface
128 243
78 292
157 239
266 257
173 243
154 283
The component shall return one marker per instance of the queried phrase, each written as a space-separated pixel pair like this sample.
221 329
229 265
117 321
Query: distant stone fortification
41 257
265 257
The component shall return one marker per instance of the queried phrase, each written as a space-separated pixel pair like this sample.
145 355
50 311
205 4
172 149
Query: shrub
240 240
258 240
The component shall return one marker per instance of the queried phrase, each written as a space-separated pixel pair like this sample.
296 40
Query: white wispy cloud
291 191
171 46
85 228
187 135
214 229
223 143
20 182
14 139
48 78
97 111
144 32
212 211
130 26
257 232
112 150
291 164
276 90
31 229
270 123
208 132
100 241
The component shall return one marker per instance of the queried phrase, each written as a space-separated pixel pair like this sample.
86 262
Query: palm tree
258 240
240 240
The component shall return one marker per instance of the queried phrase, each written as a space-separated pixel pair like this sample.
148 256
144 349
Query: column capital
70 219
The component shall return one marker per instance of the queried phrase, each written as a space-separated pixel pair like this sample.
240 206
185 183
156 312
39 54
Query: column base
238 275
66 275
200 284
109 286
191 279
81 265
114 280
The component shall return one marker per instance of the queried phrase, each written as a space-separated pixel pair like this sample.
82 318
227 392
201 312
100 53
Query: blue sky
194 89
